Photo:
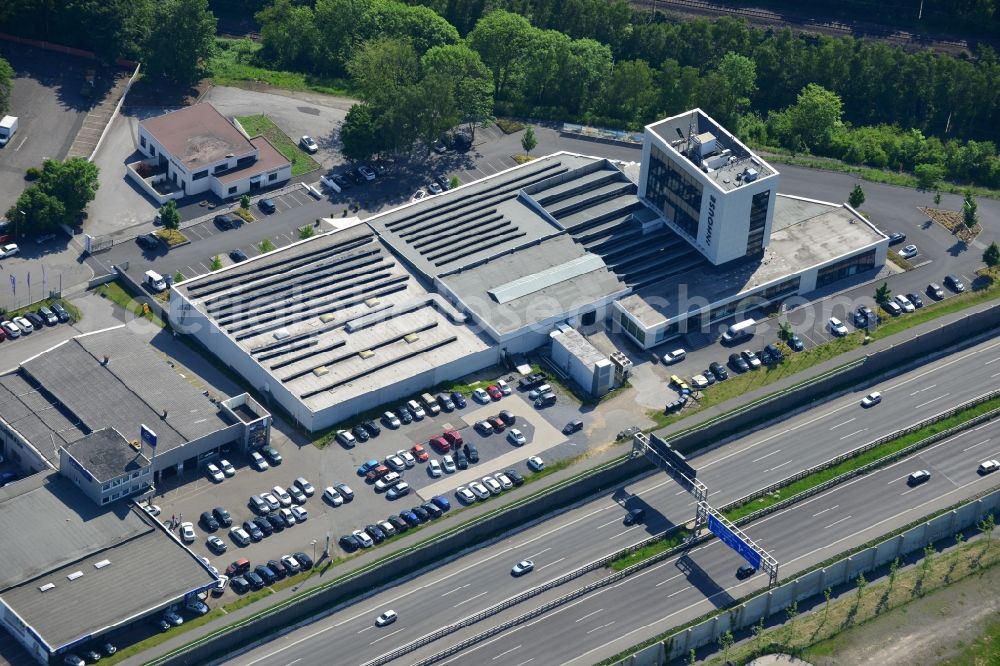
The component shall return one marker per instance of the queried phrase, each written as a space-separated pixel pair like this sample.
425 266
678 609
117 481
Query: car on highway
308 144
935 291
836 326
522 567
516 437
238 255
988 466
918 477
634 516
745 571
871 399
536 463
388 617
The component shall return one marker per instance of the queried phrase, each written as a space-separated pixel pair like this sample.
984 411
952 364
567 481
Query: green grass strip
235 62
262 125
668 542
114 292
870 456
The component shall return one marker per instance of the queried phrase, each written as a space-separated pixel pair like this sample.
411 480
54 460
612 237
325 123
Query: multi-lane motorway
665 595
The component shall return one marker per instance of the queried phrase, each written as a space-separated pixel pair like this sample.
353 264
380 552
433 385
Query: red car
238 567
497 423
440 444
420 453
377 473
494 392
454 439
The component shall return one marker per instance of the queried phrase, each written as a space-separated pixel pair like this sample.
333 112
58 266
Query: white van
155 281
675 356
740 331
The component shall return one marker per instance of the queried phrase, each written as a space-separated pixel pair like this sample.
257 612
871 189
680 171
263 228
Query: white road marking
924 404
526 662
926 388
993 361
507 652
768 455
385 637
470 599
787 462
616 520
969 448
825 510
294 661
907 492
624 533
856 432
550 564
897 479
837 522
601 627
674 594
844 423
995 374
366 629
456 589
668 580
531 557
589 615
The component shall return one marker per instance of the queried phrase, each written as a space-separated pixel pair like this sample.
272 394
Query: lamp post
314 549
24 218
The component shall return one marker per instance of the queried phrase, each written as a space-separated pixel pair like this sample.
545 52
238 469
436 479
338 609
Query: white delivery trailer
740 331
8 125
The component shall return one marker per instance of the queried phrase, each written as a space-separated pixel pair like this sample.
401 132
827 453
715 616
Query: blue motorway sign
147 435
728 537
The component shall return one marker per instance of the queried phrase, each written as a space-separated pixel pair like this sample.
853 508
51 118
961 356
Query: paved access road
482 578
681 589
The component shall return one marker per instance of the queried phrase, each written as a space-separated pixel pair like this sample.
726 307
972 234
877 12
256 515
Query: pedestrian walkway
98 118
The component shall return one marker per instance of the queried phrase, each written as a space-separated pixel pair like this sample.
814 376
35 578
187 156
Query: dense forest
421 67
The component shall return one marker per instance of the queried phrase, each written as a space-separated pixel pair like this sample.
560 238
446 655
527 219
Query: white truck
155 281
8 125
740 331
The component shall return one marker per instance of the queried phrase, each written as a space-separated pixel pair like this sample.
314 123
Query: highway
482 578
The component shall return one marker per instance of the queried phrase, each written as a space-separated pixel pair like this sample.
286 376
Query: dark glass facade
846 268
758 220
673 192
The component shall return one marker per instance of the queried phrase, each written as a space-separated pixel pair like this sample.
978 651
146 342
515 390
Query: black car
48 315
93 656
356 176
265 574
222 516
461 142
634 516
349 542
443 181
375 532
862 316
35 320
745 570
471 452
226 221
458 399
507 417
895 238
720 372
575 425
266 205
404 414
277 524
373 428
276 567
264 525
772 354
305 562
421 513
255 581
916 300
445 402
432 509
515 477
954 283
238 255
398 523
208 521
148 241
738 363
272 455
256 534
239 585
795 342
60 311
461 461
360 433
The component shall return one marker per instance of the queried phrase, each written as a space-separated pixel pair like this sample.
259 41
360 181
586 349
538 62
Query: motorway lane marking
942 366
787 462
612 522
837 522
943 395
470 599
927 388
969 448
856 432
674 594
602 627
624 533
526 662
366 629
387 636
897 479
996 374
531 557
767 455
668 580
456 589
993 361
844 423
825 510
550 564
507 652
907 492
294 661
588 615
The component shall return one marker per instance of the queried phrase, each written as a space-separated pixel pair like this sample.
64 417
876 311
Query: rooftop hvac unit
750 175
705 143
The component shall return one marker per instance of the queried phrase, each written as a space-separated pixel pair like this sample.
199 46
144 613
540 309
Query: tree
857 196
815 118
215 264
245 202
883 294
631 94
501 39
893 572
758 637
986 527
288 34
827 593
41 211
785 331
528 140
182 34
265 246
928 175
6 85
178 277
928 561
726 91
359 135
692 657
471 81
725 644
991 255
862 583
969 210
74 182
381 68
454 182
337 24
306 232
169 216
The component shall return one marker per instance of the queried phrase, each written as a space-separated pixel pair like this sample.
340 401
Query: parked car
187 532
909 252
267 206
446 402
214 473
481 396
208 521
331 495
434 468
954 283
465 495
227 468
240 536
935 291
349 543
862 316
148 241
345 491
405 415
836 326
895 238
9 250
471 452
391 420
238 256
718 370
308 144
360 433
10 329
449 464
346 439
737 363
61 312
573 426
226 221
272 455
904 303
536 463
494 392
253 529
516 437
372 428
24 325
305 486
216 545
751 359
419 452
399 490
296 494
257 461
892 307
458 399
